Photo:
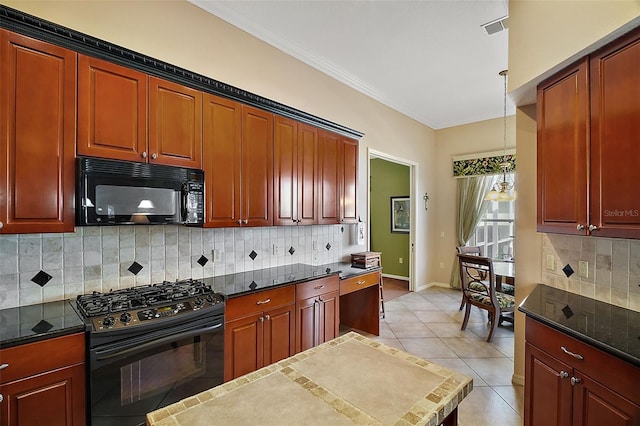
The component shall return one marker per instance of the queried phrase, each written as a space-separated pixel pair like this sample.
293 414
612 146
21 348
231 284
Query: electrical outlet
400 260
217 255
550 262
315 257
314 245
276 250
583 269
441 265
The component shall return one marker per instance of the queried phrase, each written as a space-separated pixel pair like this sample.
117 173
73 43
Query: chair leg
462 302
494 323
467 313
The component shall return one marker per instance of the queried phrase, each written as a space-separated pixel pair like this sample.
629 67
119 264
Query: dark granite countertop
245 282
610 328
31 323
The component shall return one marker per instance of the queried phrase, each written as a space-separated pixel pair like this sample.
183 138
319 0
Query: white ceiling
429 59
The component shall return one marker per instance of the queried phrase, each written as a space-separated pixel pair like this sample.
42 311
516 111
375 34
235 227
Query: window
495 231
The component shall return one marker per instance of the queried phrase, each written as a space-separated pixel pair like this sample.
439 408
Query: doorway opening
392 207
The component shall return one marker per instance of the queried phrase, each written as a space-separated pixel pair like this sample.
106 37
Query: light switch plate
550 262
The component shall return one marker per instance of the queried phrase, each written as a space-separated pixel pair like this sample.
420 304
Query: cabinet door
329 321
285 177
112 110
175 124
243 343
53 398
222 164
349 181
329 180
615 126
595 404
257 167
307 158
548 390
279 334
563 156
37 141
307 323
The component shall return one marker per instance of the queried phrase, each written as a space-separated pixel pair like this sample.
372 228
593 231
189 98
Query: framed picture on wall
400 219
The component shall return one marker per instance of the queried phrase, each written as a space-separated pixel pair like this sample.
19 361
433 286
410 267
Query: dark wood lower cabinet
43 383
568 382
317 320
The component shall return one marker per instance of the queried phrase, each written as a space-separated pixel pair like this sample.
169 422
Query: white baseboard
395 277
517 379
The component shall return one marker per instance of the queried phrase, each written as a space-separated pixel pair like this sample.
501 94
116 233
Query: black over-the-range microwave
113 192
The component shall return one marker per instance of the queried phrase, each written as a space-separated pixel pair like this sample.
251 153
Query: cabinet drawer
38 357
238 307
317 287
359 282
618 375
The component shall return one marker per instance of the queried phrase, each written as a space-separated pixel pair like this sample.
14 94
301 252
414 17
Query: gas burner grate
102 304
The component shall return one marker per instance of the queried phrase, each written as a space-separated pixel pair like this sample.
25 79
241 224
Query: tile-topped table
348 380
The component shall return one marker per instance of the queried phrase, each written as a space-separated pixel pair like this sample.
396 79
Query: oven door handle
112 353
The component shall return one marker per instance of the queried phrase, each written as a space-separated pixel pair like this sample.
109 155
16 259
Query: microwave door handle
183 204
104 355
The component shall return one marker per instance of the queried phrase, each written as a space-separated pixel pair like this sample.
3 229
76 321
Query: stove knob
108 321
125 317
209 298
198 301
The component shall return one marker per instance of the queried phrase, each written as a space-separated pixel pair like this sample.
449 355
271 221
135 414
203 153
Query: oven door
130 378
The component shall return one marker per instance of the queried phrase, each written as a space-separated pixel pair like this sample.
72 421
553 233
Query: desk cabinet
44 383
317 312
37 135
360 302
259 330
588 119
568 382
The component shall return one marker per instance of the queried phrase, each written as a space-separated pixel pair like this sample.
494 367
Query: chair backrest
476 276
469 250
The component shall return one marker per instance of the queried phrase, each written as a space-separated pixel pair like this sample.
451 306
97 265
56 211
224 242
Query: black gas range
151 346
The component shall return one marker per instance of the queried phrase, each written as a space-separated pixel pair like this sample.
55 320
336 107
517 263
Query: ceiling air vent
496 26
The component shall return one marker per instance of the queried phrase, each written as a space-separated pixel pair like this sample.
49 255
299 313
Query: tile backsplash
37 268
612 267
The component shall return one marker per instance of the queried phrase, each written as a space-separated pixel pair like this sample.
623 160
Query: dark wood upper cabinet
563 151
588 122
175 124
37 142
112 110
349 181
295 168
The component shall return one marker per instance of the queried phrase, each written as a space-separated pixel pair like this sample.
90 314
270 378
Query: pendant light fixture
501 191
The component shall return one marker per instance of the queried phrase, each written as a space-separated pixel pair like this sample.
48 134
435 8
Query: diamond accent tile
291 251
202 261
568 313
328 246
568 270
42 327
41 278
135 268
253 285
253 255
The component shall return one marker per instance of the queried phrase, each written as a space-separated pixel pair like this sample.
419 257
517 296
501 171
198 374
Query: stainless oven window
112 200
124 389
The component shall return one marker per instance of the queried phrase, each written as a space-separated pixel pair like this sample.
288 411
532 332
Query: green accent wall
388 180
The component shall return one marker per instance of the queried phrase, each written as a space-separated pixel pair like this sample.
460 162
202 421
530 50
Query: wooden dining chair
483 293
472 250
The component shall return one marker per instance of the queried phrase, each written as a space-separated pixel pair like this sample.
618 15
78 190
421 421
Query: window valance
481 164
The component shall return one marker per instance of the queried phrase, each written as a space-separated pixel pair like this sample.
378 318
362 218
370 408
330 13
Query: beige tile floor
427 324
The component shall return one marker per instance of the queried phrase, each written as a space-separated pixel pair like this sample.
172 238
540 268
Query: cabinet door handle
318 287
592 228
267 317
1 398
144 154
245 221
564 374
568 352
3 366
239 221
580 227
154 155
261 319
575 381
262 302
1 224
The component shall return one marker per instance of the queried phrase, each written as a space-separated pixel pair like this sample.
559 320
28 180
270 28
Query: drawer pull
564 374
361 282
262 302
568 352
318 287
575 381
3 366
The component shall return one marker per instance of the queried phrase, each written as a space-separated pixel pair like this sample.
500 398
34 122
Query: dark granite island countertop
613 329
32 323
233 285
